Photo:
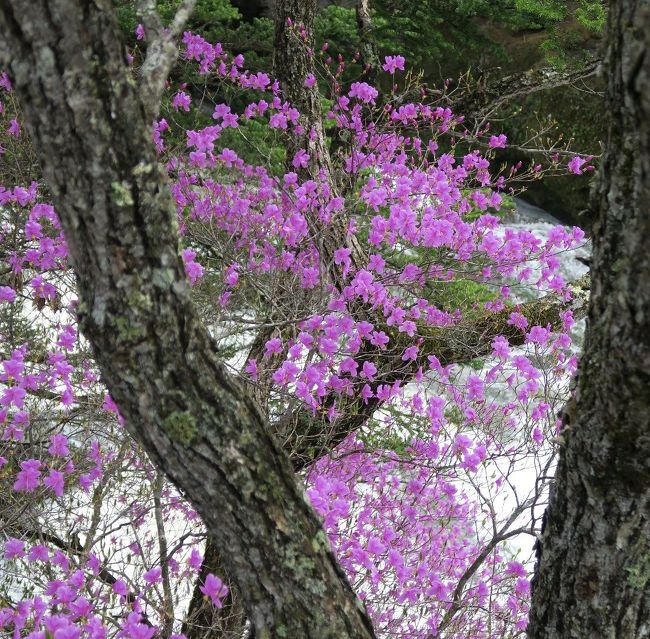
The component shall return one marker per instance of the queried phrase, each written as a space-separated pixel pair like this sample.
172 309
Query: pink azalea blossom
393 63
28 478
575 165
363 92
14 548
215 589
181 101
310 80
55 480
498 141
7 294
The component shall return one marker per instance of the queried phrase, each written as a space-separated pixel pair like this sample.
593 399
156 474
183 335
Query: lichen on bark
593 568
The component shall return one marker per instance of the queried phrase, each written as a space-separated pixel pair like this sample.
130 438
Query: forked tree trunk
593 574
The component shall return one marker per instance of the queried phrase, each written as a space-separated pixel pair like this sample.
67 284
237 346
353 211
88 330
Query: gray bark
161 51
369 54
293 60
593 572
195 421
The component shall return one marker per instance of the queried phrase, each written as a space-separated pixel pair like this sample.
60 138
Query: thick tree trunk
593 575
293 61
369 54
196 422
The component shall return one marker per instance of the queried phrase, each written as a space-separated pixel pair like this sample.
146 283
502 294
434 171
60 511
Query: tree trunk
293 61
593 573
195 421
369 54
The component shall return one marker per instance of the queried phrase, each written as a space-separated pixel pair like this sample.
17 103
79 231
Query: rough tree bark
593 573
195 421
369 54
293 61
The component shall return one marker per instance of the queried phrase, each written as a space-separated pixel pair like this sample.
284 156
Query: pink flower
575 165
232 277
139 32
310 80
14 128
5 82
518 320
29 476
278 121
13 395
410 353
38 553
516 568
133 629
14 548
368 370
500 347
409 327
55 480
462 443
181 101
498 141
7 294
120 588
251 369
86 481
393 63
58 446
195 560
273 347
153 576
349 366
300 159
228 156
379 338
215 589
363 91
158 129
538 335
475 388
193 270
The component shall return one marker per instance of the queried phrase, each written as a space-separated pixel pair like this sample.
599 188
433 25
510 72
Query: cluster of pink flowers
397 497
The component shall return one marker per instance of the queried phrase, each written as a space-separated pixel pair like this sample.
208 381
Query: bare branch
182 16
479 97
168 602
